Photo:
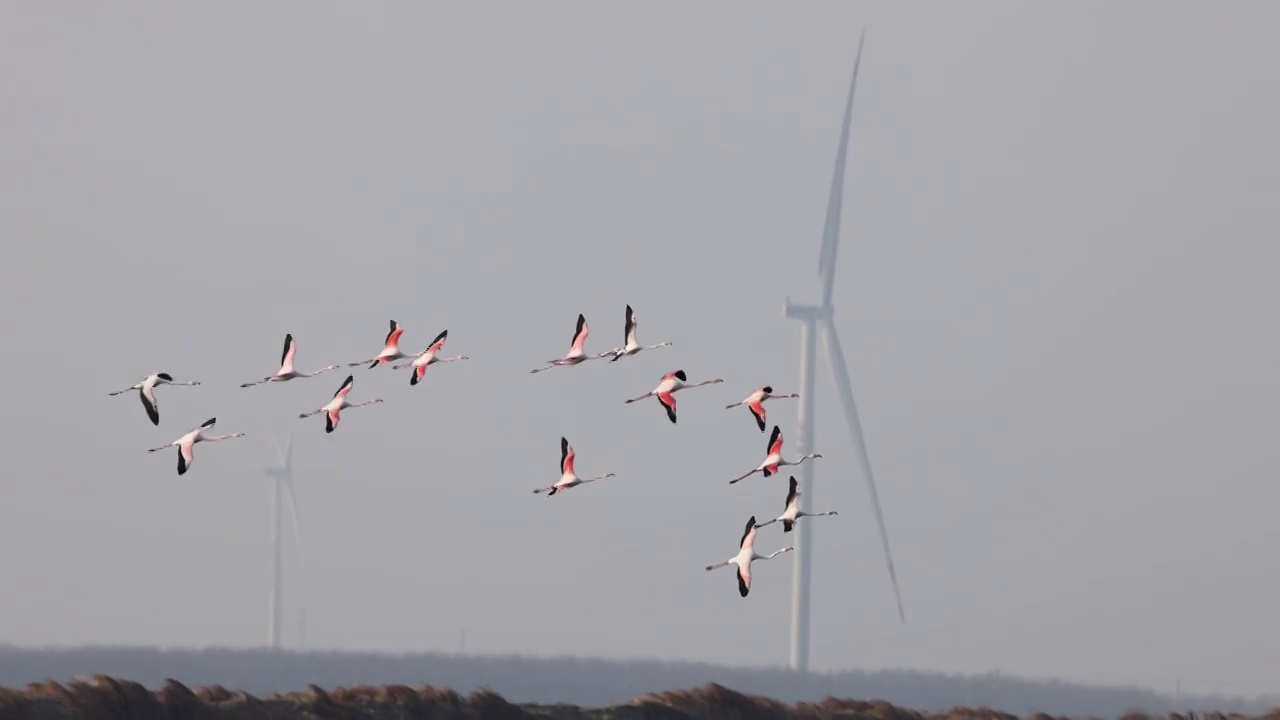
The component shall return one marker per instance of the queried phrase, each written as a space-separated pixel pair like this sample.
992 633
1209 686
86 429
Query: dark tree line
587 681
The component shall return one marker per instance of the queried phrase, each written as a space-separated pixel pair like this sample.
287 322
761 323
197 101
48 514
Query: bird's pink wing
286 357
580 334
393 336
775 441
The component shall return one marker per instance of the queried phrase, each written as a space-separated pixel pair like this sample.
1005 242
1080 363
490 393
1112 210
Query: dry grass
105 698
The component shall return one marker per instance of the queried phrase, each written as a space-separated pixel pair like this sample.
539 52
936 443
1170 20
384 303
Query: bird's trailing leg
223 437
598 477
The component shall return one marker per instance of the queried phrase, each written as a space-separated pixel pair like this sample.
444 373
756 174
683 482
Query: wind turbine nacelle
796 311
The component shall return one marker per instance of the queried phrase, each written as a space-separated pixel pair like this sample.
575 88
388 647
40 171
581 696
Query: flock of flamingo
671 383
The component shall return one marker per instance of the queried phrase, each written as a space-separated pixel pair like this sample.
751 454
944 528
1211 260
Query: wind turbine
281 475
813 319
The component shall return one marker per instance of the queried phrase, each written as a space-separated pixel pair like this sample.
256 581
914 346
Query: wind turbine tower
281 475
815 318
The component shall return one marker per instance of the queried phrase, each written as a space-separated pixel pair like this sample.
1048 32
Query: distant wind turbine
281 475
814 317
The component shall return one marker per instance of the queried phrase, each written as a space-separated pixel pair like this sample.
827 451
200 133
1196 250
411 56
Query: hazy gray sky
1056 290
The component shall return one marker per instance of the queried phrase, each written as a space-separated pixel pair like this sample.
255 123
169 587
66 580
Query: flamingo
629 344
333 409
147 392
568 478
186 443
792 513
286 371
774 459
755 402
746 554
575 354
427 358
670 384
390 349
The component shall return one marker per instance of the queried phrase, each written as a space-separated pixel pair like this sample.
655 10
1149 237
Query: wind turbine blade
831 228
841 371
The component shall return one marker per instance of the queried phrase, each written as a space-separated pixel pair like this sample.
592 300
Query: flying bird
286 371
773 460
390 349
792 513
629 344
746 554
186 443
568 478
333 409
575 354
147 392
755 402
427 358
670 384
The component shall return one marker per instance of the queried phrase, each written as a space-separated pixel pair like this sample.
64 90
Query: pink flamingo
670 384
568 478
755 402
333 409
773 460
747 553
427 358
576 354
286 371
